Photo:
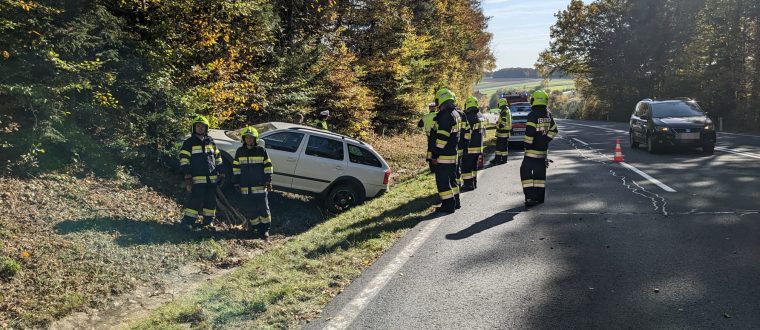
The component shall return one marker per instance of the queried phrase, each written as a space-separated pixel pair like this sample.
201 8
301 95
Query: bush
8 268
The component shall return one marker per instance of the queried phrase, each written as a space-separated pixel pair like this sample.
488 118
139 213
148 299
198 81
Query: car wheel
343 197
650 145
634 144
708 149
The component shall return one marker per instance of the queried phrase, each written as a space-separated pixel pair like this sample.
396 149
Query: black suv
677 122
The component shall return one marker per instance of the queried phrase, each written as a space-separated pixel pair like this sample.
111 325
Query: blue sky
520 29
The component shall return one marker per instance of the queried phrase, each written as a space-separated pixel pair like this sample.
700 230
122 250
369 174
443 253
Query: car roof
673 100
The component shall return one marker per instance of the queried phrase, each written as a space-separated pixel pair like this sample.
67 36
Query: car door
283 149
322 161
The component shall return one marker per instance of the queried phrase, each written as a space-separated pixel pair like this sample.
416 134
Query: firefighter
426 123
464 143
503 129
200 162
252 177
447 126
321 122
540 130
476 123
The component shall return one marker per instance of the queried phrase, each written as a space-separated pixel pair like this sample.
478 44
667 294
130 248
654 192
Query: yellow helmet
503 103
250 131
471 102
198 119
443 95
539 97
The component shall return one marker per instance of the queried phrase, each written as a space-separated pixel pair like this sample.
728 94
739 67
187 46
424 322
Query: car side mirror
261 143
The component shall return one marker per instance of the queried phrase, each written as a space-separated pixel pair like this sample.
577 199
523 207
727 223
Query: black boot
457 204
447 206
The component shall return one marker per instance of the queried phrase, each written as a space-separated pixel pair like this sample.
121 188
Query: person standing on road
503 129
426 123
200 161
475 149
447 126
464 143
252 177
539 132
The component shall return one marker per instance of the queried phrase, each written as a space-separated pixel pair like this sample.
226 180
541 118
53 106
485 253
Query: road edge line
648 177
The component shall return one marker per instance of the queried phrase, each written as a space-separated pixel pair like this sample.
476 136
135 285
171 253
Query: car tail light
387 177
518 125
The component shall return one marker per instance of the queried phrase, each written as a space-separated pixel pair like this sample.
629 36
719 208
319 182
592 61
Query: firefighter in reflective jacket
426 123
447 126
464 143
503 129
540 130
200 162
476 123
252 170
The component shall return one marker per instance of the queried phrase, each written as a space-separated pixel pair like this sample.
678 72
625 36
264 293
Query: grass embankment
289 285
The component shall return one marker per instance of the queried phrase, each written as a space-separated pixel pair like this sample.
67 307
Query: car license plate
688 136
519 129
516 133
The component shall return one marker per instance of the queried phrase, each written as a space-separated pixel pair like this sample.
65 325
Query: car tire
708 149
634 144
343 197
650 145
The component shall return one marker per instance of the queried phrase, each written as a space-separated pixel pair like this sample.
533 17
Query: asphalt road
609 249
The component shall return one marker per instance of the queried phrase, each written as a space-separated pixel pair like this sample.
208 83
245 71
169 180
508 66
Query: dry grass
405 154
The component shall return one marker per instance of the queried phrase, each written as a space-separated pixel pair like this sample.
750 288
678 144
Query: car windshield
676 109
518 108
263 127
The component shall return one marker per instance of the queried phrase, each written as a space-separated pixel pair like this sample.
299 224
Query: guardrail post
720 124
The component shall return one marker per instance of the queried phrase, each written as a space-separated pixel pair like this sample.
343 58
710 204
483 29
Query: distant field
489 86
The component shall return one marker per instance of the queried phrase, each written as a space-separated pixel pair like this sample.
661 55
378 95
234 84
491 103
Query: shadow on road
483 225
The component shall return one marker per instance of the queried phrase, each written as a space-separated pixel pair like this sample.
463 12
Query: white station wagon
341 170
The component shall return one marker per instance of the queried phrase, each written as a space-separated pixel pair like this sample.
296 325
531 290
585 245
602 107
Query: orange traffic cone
618 152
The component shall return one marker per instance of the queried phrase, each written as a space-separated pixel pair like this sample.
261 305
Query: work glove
269 186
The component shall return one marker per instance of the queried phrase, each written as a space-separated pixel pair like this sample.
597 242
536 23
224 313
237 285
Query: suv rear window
285 141
676 109
325 148
362 156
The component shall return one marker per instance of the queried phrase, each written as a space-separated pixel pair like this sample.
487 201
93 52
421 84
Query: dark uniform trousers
446 182
470 170
256 208
533 176
202 198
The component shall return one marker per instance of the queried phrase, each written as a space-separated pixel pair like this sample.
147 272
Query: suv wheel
708 149
343 197
634 144
650 145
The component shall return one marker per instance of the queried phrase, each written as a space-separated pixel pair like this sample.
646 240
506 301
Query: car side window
285 141
639 110
362 156
325 148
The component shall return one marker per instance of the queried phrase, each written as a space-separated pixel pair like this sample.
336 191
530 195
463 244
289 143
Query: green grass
491 85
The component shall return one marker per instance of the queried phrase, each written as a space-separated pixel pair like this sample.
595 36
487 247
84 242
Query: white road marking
737 134
599 127
746 154
648 177
584 143
349 312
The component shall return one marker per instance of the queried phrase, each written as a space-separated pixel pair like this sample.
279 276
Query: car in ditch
341 170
